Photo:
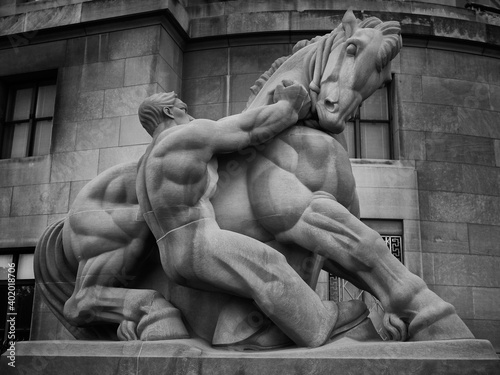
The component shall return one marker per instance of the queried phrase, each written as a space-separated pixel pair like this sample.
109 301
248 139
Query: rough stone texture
28 58
25 171
439 237
477 122
409 87
5 201
455 177
125 100
140 70
22 230
112 156
204 90
132 132
484 239
458 148
455 92
459 207
171 52
195 68
486 303
103 75
87 50
40 199
195 357
64 136
76 186
63 166
96 134
133 42
466 270
430 117
452 131
168 80
60 16
412 145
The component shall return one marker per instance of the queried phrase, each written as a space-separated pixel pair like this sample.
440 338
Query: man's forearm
270 120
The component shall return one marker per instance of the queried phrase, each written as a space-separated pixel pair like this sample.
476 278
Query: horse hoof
447 326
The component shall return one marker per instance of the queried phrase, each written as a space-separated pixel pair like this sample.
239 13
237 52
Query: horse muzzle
330 117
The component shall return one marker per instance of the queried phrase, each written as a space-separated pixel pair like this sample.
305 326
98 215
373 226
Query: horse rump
55 281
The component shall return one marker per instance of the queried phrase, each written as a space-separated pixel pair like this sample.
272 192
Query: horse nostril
330 105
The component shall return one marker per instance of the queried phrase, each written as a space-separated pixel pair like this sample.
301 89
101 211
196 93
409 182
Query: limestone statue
208 234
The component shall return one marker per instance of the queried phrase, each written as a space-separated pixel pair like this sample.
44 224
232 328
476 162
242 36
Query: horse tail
55 278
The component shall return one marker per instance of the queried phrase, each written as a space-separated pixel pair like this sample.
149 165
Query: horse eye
351 49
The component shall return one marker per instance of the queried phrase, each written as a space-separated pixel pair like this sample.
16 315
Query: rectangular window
16 299
29 112
368 135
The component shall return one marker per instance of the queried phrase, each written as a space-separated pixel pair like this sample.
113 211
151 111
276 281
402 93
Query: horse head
357 65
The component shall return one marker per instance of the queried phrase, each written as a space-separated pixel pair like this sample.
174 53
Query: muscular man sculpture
177 176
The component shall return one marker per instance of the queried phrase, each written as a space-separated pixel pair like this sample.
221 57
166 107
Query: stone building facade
436 189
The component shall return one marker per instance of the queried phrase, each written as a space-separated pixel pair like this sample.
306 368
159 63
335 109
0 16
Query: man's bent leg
330 229
203 256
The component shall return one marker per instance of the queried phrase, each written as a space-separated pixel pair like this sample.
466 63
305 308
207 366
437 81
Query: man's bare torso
177 178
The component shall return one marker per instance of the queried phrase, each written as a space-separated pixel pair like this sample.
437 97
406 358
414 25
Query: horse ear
349 23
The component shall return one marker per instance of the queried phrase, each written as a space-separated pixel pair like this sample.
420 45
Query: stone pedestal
193 357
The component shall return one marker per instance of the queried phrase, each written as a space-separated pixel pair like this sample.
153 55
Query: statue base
193 357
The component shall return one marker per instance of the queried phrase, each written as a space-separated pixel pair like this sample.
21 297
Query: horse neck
298 68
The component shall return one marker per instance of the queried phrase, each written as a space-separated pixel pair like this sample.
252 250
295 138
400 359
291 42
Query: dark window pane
25 267
4 266
20 140
350 138
43 135
24 307
22 105
45 102
375 107
3 311
375 141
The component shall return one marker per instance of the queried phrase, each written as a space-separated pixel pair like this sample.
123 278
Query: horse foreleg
141 314
329 229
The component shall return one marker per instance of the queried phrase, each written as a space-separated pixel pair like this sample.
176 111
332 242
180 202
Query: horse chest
321 163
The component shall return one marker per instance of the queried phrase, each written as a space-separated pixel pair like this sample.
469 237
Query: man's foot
162 322
243 326
268 337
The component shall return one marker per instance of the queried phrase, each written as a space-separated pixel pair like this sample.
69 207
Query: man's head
160 107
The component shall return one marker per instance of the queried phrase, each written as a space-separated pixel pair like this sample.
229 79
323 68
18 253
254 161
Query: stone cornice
422 23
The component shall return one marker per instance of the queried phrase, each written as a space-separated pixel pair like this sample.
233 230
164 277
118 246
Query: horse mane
261 81
391 46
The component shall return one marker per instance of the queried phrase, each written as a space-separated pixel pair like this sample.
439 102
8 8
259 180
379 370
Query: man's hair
151 110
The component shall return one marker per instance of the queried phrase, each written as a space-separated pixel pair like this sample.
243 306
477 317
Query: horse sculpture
98 269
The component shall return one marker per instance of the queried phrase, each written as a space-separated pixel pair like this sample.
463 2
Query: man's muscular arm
260 124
